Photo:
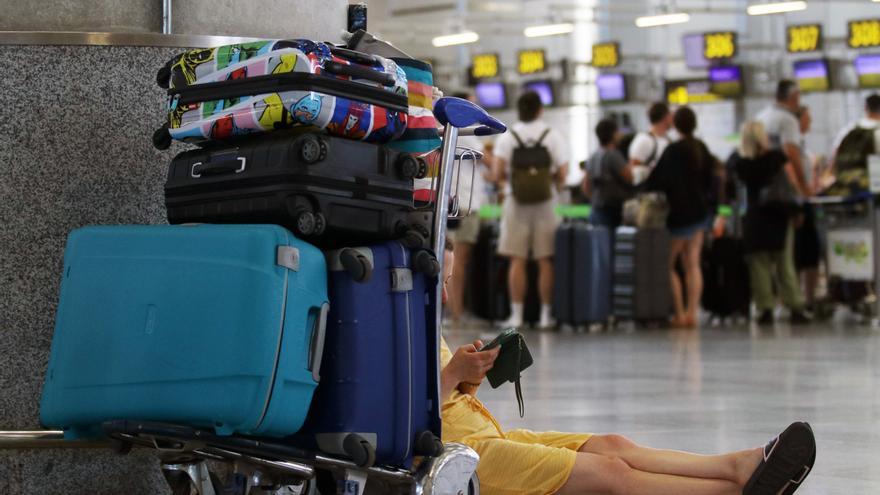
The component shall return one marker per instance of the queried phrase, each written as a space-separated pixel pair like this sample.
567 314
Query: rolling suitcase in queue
330 191
222 93
377 399
641 291
582 292
726 289
486 294
217 326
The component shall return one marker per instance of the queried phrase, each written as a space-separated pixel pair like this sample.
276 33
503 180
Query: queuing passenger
647 147
686 174
472 193
807 251
523 462
783 130
870 121
852 148
767 226
532 158
609 178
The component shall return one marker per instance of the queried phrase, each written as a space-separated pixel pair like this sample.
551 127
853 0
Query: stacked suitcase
641 291
235 326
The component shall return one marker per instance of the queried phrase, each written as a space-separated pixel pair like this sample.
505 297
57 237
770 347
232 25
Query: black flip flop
784 466
805 470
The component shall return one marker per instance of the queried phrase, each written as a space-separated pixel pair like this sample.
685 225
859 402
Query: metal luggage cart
267 466
851 234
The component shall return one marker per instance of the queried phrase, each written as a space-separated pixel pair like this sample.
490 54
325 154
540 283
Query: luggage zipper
358 189
275 83
409 353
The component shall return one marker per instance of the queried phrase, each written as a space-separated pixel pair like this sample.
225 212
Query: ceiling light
456 39
662 19
548 30
776 7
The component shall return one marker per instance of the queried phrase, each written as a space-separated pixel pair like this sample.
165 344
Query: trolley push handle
461 113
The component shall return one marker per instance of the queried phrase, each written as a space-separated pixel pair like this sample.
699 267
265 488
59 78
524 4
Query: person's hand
469 366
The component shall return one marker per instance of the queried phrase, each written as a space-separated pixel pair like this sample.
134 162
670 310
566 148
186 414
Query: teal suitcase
218 326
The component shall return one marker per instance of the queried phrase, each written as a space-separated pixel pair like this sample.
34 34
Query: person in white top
647 147
532 161
871 120
783 129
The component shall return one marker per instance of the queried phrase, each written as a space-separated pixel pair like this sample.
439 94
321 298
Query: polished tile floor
709 390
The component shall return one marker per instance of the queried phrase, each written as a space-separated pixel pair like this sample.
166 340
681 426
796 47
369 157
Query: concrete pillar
75 150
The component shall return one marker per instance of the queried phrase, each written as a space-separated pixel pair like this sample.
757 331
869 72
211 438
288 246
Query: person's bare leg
516 280
595 474
675 250
459 278
545 280
736 467
694 277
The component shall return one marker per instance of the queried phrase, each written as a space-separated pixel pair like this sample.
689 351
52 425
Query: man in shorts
532 159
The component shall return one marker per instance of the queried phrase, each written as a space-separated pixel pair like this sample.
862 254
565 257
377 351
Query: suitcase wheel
305 223
415 237
320 224
428 444
162 138
356 264
359 450
312 149
425 262
407 167
163 76
423 169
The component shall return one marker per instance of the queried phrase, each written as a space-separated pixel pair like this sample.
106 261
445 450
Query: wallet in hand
513 358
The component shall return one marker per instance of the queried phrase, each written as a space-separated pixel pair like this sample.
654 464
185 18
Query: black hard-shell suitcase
582 282
328 190
641 290
726 289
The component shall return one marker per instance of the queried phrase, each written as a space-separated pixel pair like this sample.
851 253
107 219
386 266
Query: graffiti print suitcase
582 292
330 191
378 396
216 94
217 326
641 290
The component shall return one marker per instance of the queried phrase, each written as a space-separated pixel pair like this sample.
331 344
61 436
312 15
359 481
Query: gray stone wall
318 19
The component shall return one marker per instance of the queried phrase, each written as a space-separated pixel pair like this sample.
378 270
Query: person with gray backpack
532 161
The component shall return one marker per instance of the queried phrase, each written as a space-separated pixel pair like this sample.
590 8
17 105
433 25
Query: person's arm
561 174
586 187
467 367
499 170
638 152
793 152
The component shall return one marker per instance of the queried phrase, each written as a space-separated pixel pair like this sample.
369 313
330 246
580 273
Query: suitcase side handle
316 344
359 72
353 55
236 165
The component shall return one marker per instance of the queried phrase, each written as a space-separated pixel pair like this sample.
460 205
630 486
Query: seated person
525 462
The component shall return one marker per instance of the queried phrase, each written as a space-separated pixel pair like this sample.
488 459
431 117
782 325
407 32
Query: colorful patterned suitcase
234 90
217 326
378 400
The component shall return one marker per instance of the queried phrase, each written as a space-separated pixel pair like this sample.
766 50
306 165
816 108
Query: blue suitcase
216 326
378 400
582 292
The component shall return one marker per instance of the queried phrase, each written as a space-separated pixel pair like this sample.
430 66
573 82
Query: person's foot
766 318
746 463
679 321
785 462
547 322
511 322
799 318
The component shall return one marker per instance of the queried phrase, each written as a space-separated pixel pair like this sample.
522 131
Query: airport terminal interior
483 221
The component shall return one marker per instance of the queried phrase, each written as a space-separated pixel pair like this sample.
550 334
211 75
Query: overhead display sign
803 38
720 45
606 55
485 66
685 92
864 33
531 62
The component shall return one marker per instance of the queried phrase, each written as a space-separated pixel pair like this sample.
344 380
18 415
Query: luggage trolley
851 234
268 466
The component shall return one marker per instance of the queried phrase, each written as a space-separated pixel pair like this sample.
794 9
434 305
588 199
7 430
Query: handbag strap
519 397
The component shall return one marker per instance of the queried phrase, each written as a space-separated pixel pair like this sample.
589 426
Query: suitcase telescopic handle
316 346
234 166
359 72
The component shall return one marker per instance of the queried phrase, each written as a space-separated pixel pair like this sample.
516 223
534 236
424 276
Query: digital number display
804 38
864 33
606 54
485 66
531 62
720 45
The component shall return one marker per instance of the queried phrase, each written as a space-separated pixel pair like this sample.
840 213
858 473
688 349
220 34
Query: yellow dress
520 462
